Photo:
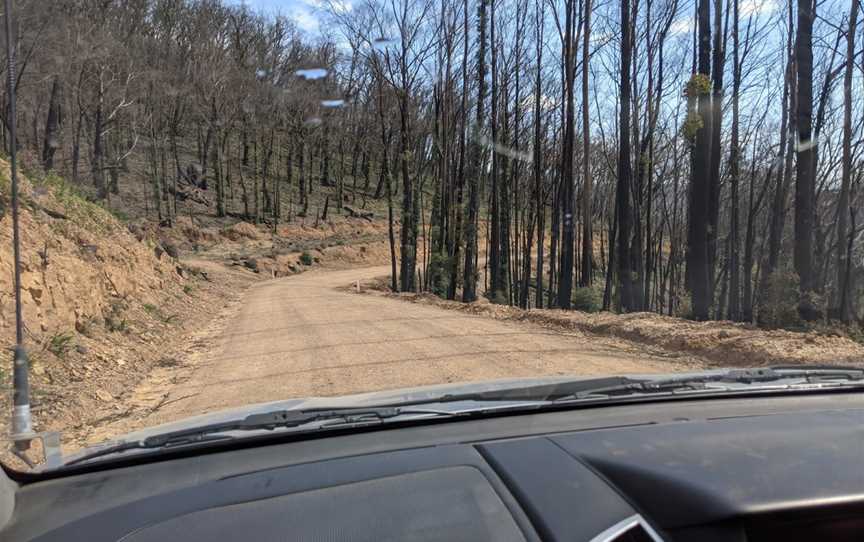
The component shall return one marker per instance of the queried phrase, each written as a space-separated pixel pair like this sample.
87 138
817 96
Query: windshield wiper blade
617 386
269 421
715 381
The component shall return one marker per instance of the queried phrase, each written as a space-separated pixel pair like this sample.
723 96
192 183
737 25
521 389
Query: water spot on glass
801 146
311 73
261 73
312 121
338 102
53 143
382 43
428 147
40 191
503 149
248 108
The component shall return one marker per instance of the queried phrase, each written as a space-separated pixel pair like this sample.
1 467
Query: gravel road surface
307 335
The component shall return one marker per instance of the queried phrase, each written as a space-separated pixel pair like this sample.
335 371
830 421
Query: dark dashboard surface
728 469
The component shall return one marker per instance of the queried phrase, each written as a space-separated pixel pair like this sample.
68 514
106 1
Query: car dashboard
769 468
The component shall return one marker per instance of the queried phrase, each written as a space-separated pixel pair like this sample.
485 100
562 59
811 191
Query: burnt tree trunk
734 177
469 280
565 277
843 302
805 189
52 125
622 193
698 261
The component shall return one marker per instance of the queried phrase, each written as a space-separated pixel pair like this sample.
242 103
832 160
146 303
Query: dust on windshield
223 203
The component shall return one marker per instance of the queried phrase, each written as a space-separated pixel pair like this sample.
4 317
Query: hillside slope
102 305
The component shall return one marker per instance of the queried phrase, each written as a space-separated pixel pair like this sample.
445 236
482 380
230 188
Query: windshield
210 205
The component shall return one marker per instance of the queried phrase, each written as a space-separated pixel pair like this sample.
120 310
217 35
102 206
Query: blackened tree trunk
717 65
805 189
843 301
97 166
408 236
539 202
565 280
302 193
391 235
587 218
469 280
497 270
52 125
622 193
700 176
460 183
734 178
219 176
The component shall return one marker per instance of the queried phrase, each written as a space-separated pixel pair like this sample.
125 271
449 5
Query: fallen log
359 213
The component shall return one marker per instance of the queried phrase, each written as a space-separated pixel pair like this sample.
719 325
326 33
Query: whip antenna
22 428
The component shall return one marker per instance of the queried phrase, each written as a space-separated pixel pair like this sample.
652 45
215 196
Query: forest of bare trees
700 158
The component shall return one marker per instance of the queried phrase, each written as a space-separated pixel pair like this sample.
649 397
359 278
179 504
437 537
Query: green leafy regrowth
587 299
779 306
74 203
60 344
439 273
306 258
692 124
499 298
698 85
114 319
157 313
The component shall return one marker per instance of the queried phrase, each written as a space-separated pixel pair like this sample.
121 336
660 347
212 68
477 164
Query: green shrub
498 297
684 305
157 313
60 344
587 299
75 203
778 307
439 273
116 325
306 258
118 214
113 315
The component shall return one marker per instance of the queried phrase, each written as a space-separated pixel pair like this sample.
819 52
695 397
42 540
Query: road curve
305 335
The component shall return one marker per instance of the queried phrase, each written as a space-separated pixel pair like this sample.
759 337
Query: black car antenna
22 427
22 424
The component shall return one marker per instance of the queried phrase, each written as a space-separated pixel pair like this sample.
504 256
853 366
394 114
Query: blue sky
302 11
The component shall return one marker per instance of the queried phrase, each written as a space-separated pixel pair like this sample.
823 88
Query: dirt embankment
725 344
103 304
291 248
108 304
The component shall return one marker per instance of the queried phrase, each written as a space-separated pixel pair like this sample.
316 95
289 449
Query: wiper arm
595 388
714 382
256 422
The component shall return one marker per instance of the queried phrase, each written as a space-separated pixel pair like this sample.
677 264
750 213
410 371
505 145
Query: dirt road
305 335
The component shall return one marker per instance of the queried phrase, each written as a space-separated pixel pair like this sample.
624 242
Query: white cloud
339 6
746 8
305 20
547 103
682 26
756 7
601 37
